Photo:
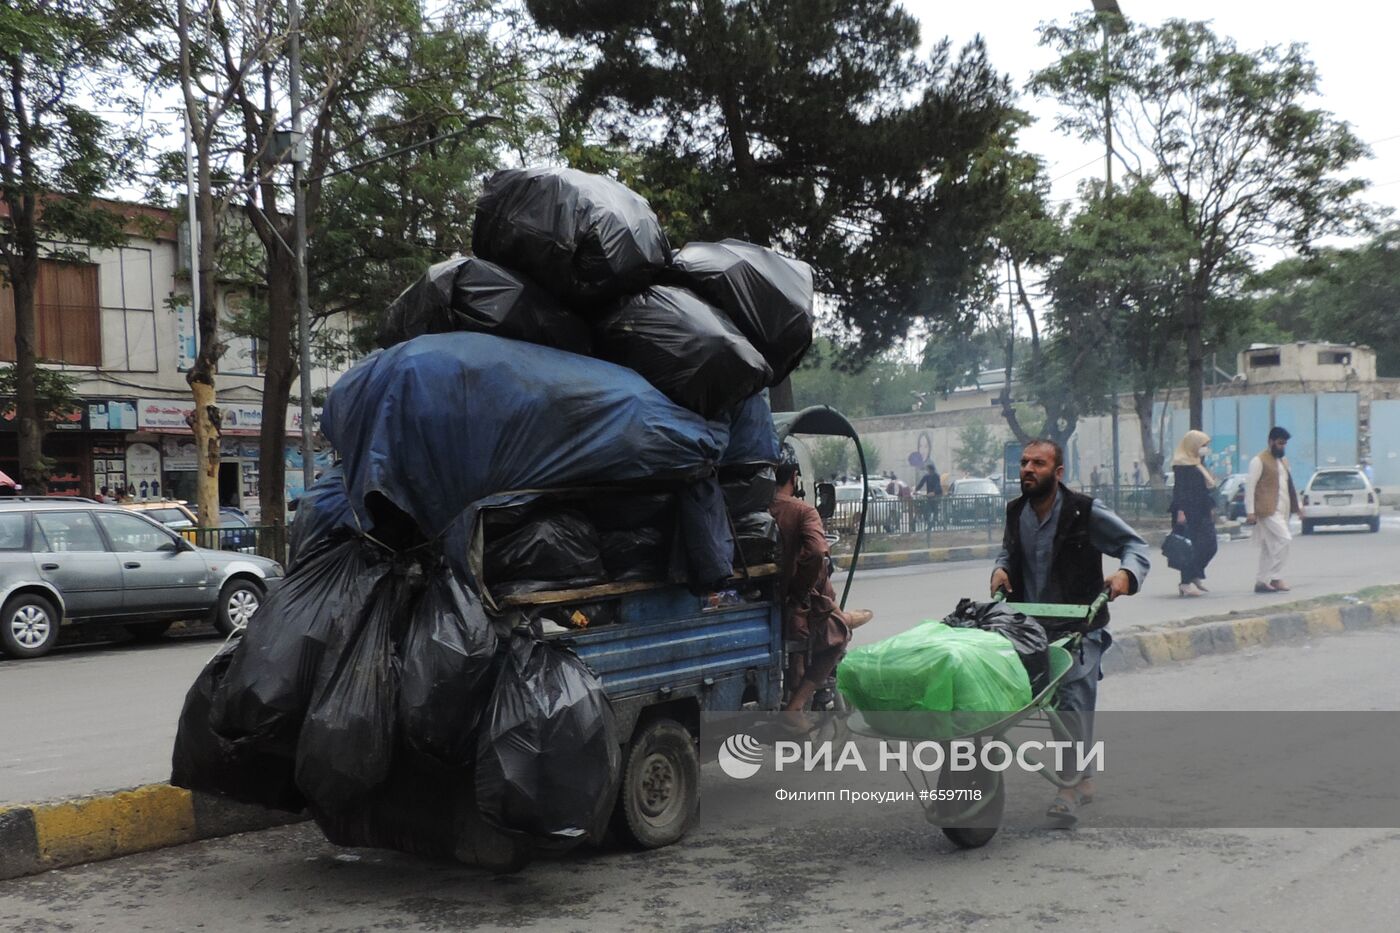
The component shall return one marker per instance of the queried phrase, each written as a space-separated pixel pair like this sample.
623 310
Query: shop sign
73 421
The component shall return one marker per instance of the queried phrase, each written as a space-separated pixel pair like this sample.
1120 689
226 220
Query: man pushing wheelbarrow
1052 553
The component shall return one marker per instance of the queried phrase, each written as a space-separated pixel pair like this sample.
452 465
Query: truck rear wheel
660 793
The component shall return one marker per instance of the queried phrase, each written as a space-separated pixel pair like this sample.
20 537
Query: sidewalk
39 837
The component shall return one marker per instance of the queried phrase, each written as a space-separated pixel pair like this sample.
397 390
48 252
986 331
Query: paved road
1331 561
89 719
889 872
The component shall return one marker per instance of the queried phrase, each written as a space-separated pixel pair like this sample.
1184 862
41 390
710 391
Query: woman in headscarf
1193 508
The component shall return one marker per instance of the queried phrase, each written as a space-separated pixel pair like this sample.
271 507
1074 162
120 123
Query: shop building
119 322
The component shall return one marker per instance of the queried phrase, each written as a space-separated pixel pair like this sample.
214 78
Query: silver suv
80 561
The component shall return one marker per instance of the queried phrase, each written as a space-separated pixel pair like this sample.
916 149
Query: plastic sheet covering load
686 348
767 295
557 549
752 437
938 669
584 237
548 756
442 421
322 517
471 294
639 554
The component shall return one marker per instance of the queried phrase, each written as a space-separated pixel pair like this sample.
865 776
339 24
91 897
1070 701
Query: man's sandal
1061 811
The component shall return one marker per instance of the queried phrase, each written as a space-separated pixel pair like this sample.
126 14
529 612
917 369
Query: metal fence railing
925 514
265 540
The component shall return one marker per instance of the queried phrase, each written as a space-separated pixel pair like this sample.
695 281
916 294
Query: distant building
1307 363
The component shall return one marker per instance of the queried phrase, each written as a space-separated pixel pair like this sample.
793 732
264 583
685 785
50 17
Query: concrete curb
936 555
42 836
1166 644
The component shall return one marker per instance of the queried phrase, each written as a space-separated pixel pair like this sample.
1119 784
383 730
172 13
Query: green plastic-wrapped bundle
933 667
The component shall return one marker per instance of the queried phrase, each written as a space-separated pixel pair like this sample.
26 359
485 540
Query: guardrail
264 540
930 514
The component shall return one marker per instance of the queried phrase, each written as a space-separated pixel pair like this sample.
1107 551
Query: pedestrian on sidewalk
1193 509
1052 552
1271 498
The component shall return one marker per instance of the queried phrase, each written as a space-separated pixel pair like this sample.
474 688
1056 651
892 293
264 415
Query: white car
1341 497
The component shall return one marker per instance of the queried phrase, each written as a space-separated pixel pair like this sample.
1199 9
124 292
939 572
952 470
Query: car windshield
975 487
173 517
1338 480
848 493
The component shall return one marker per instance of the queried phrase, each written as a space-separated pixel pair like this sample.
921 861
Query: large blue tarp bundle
441 421
752 437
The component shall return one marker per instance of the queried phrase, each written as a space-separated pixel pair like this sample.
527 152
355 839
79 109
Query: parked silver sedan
74 561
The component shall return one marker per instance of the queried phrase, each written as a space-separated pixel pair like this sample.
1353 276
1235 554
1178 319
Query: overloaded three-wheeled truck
545 548
665 656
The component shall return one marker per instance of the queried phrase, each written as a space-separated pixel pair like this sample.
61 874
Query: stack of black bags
379 688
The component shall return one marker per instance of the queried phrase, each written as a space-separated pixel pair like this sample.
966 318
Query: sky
1353 45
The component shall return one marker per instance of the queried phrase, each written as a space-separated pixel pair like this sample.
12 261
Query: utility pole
308 466
1110 17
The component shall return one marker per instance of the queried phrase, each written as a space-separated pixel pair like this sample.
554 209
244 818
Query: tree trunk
1195 361
277 386
29 421
207 419
1151 457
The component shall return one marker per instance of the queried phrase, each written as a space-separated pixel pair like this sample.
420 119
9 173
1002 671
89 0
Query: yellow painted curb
1325 621
93 828
1386 610
1250 632
1154 647
1179 644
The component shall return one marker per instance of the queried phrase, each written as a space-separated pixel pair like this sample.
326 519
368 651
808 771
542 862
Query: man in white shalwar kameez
1271 498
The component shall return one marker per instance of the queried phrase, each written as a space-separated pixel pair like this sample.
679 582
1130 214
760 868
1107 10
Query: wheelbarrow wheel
986 812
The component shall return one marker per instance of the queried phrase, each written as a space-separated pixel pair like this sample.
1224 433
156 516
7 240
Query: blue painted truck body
669 651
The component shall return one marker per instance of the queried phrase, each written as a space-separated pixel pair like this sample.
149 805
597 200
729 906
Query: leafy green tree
1119 285
57 65
1227 135
1336 295
813 127
978 451
831 456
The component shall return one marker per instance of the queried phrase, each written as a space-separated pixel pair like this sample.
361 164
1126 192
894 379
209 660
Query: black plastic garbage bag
271 680
322 518
472 294
550 546
347 740
686 348
767 295
427 809
625 511
447 659
748 490
1028 635
205 761
548 758
756 538
584 237
707 551
639 554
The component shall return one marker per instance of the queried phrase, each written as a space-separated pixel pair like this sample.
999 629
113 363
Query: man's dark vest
1075 564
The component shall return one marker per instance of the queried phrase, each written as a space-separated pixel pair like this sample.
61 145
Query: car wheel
1374 524
660 793
147 631
1307 527
238 601
30 626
